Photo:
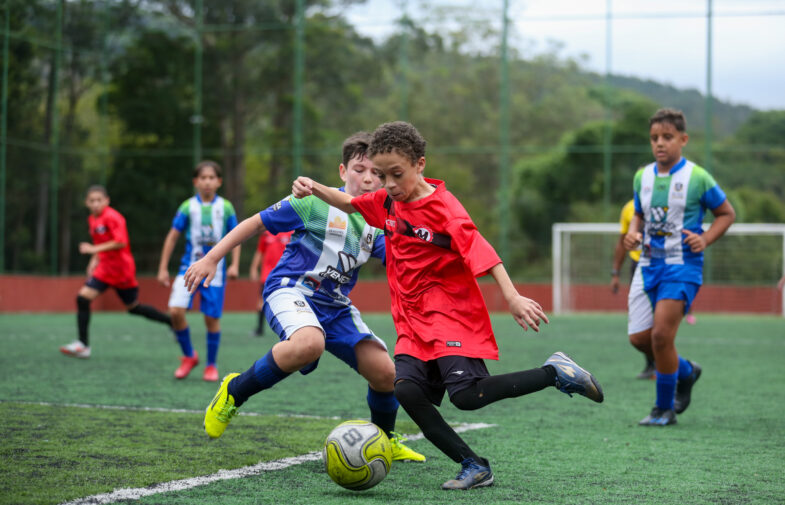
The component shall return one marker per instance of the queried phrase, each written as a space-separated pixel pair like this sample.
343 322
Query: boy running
306 298
111 265
434 253
671 197
205 218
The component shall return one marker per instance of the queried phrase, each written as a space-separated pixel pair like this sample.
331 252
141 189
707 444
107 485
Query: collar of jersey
199 198
678 166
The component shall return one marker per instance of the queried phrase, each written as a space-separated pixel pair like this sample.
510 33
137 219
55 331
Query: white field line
267 466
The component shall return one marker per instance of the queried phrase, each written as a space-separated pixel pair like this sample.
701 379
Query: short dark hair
207 164
97 188
672 116
398 136
356 145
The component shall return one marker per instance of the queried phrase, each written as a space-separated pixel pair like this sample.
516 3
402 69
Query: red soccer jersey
272 247
434 254
115 267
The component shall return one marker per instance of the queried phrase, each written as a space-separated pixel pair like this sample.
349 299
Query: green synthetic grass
728 447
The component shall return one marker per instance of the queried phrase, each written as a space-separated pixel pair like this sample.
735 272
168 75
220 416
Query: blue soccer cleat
659 417
473 474
570 378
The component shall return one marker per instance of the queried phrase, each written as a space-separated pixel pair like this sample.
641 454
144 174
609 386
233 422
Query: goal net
740 271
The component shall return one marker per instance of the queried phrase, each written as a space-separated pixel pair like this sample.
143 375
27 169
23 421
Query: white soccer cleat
76 349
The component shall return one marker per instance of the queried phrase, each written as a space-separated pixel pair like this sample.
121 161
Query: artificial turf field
72 429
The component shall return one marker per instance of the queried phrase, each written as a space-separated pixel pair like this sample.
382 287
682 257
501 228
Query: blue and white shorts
211 300
642 300
288 309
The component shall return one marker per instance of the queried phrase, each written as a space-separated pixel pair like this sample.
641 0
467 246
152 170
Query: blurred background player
619 253
205 218
268 251
111 265
671 196
307 302
434 254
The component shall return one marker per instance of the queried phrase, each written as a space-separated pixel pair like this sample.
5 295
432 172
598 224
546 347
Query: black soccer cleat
659 417
684 389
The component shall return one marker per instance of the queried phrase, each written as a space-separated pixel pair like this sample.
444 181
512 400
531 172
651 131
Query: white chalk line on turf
267 466
159 409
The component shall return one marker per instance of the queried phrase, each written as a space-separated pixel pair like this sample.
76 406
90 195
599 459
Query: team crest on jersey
100 229
424 233
337 226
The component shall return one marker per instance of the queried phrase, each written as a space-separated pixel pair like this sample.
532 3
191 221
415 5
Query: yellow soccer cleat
402 453
221 409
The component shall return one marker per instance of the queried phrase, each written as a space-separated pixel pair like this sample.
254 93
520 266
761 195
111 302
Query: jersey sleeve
637 182
379 247
371 206
230 216
626 217
287 215
477 253
712 195
180 221
118 229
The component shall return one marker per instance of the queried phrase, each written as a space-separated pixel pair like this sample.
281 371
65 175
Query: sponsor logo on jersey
348 262
367 242
391 223
100 229
334 275
337 226
299 303
453 343
424 233
311 283
658 224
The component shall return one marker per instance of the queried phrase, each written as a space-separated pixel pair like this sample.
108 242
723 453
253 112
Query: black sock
151 313
83 318
260 324
432 424
497 387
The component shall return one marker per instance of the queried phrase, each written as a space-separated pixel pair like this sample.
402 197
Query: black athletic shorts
128 296
451 373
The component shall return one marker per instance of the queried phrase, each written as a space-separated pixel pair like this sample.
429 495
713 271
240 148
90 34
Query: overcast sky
664 41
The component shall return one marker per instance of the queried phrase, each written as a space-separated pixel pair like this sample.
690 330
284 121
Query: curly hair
672 116
398 136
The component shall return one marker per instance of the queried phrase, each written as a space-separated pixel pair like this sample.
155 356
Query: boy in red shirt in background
434 254
111 264
268 251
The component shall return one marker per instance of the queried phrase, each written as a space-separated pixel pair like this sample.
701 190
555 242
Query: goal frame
560 237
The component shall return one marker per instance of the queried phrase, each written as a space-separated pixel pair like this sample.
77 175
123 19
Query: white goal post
745 263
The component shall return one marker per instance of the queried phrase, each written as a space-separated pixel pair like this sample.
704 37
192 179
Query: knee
466 399
82 302
408 393
640 340
661 341
382 378
309 349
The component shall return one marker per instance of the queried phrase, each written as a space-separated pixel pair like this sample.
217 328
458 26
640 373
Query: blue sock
685 368
184 339
384 409
666 390
262 375
213 341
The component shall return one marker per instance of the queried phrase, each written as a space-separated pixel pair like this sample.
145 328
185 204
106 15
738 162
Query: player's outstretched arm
305 186
526 312
204 269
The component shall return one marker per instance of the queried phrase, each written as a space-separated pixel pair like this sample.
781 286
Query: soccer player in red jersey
268 251
434 254
111 264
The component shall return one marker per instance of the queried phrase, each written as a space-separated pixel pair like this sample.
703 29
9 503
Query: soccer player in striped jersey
111 265
671 197
306 298
205 218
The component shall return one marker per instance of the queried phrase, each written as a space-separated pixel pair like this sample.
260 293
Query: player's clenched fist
632 240
302 186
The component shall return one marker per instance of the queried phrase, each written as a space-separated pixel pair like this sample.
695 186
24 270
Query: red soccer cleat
187 363
210 373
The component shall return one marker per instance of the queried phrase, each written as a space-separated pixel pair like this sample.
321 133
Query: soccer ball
357 455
